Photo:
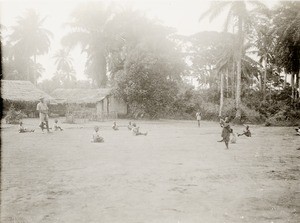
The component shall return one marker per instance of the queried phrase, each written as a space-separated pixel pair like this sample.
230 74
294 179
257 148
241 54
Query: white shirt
42 107
198 115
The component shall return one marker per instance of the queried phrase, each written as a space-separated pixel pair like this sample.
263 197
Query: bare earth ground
178 173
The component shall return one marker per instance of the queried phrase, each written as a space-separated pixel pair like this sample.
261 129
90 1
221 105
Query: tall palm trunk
221 94
265 77
227 83
297 85
239 69
233 80
101 78
28 69
293 86
34 70
260 82
285 78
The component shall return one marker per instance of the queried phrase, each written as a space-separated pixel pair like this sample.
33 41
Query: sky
180 14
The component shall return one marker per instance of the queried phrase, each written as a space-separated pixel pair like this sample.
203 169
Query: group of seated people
135 129
131 127
43 126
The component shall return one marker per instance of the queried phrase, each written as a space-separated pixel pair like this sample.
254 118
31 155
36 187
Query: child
233 139
43 126
136 130
23 130
246 132
226 131
56 126
129 126
198 116
115 127
96 135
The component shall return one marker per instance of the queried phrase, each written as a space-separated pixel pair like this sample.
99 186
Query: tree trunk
265 78
101 78
34 70
285 77
221 94
297 85
239 69
233 80
238 90
260 82
28 70
227 83
293 86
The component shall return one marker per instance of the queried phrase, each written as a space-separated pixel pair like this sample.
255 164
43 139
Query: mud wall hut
93 104
23 95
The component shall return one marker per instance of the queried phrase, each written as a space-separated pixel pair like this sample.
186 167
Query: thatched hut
23 95
91 103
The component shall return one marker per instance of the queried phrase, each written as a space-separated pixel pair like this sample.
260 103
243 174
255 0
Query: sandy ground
179 173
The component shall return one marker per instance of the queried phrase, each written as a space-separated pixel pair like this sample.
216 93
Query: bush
210 111
13 116
274 121
54 115
284 118
70 119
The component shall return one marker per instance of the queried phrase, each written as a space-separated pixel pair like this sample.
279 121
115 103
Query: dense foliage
250 73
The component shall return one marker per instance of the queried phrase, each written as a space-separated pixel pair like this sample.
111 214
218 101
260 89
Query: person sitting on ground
226 131
96 135
298 130
129 126
22 129
136 130
56 126
115 127
246 132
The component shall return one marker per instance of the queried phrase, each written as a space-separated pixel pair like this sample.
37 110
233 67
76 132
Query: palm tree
30 39
64 71
242 18
287 46
63 61
37 69
87 25
262 38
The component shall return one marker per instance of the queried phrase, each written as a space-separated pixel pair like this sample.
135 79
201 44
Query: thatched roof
22 91
80 96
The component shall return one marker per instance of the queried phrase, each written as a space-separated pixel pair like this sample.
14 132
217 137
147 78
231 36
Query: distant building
93 103
23 95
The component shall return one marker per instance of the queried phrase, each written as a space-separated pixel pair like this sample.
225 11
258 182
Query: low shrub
13 116
70 119
210 111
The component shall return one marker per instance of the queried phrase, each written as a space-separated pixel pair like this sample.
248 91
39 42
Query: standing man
198 116
43 112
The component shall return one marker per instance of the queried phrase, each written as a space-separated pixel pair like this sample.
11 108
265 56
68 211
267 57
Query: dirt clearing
178 173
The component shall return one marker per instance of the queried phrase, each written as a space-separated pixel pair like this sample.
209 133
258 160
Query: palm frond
214 10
